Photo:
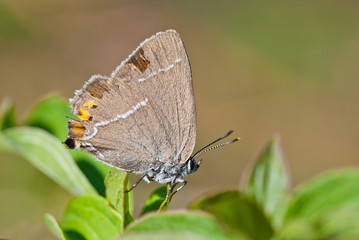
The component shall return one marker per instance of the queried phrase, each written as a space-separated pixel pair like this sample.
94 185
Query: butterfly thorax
164 173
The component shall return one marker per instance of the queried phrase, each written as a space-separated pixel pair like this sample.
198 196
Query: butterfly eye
190 165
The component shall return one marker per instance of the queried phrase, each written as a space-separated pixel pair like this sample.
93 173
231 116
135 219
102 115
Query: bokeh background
259 67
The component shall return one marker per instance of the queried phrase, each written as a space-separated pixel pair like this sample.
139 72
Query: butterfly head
192 165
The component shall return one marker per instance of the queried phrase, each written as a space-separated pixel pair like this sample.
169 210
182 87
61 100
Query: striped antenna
206 149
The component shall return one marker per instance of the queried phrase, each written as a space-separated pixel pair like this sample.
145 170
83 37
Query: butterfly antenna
206 149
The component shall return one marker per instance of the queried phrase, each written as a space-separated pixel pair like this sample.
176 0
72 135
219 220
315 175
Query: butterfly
142 118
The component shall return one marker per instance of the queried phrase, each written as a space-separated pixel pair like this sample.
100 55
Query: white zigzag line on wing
119 116
86 144
160 70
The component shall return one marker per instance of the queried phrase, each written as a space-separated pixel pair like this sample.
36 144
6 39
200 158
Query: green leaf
53 226
341 222
164 225
328 205
166 235
50 115
7 114
297 230
337 223
268 181
238 213
155 200
91 218
325 192
94 170
47 154
116 185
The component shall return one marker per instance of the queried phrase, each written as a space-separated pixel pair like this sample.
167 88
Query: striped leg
138 181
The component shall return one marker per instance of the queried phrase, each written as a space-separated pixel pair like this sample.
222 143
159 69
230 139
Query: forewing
144 113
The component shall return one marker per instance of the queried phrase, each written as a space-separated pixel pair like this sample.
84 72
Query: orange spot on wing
84 115
77 132
76 129
91 104
78 144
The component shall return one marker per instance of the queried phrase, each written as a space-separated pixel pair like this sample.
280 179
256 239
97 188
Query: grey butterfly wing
144 114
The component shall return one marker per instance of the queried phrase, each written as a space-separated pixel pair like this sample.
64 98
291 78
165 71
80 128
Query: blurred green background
258 67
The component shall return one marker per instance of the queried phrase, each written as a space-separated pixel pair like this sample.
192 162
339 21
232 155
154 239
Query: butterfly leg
170 192
138 181
184 182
